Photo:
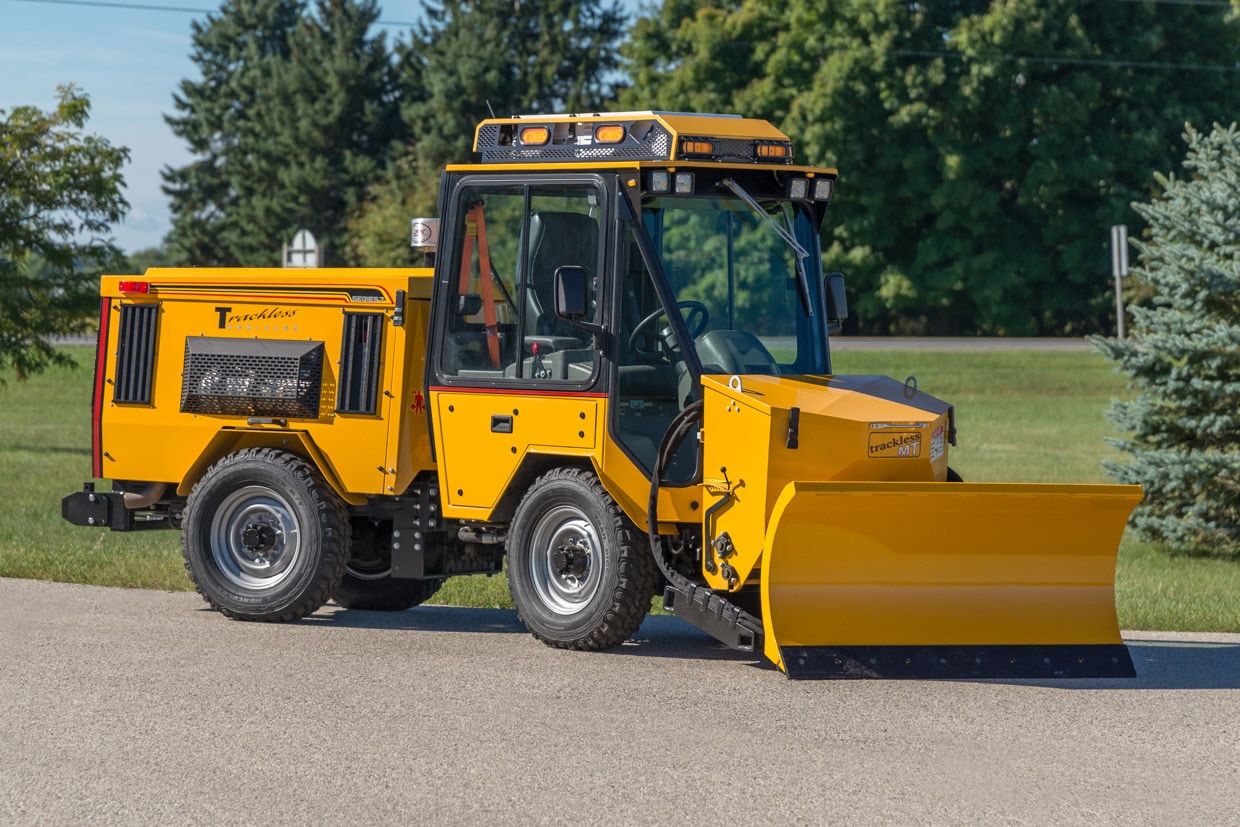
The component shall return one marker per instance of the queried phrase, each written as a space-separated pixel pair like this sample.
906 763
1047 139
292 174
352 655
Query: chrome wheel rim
255 538
566 560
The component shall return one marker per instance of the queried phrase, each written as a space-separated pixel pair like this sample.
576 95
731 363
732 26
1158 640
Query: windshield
736 281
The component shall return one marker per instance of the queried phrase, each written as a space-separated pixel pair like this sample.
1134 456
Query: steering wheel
696 321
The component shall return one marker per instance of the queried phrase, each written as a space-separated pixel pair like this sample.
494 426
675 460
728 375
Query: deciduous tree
60 194
984 148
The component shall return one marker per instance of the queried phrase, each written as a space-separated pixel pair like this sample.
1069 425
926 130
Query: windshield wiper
801 252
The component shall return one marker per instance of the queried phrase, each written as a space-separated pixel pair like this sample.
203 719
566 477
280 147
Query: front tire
368 583
265 537
580 572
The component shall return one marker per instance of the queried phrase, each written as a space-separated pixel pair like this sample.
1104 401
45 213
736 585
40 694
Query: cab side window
483 313
502 322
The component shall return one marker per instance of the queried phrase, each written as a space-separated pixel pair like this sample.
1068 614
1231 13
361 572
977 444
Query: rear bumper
96 509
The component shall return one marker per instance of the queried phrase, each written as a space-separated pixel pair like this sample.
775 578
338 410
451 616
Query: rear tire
952 476
368 583
265 537
580 572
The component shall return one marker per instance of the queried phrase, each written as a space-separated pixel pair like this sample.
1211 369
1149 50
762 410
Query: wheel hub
571 559
258 538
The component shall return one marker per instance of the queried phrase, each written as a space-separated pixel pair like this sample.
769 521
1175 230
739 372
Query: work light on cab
696 146
762 150
535 135
609 134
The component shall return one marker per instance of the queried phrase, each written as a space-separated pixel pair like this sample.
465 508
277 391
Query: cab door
506 377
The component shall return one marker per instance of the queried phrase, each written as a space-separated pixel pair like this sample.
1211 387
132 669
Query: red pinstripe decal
96 406
519 392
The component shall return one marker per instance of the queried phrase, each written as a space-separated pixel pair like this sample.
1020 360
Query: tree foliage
984 148
60 192
466 58
294 115
1184 354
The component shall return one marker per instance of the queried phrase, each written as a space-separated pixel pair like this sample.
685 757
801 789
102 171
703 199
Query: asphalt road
144 707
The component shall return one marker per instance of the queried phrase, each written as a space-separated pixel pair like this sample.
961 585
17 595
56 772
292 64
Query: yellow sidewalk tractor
617 376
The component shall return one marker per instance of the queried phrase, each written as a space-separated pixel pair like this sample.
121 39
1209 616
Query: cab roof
631 136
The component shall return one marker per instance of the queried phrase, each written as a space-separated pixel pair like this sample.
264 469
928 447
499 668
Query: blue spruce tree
1183 358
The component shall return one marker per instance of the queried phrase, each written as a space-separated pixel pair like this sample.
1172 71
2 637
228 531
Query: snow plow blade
945 580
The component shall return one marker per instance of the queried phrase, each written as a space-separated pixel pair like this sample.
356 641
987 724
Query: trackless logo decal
227 319
900 445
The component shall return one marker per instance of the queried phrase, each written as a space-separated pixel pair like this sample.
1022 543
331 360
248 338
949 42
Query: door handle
501 424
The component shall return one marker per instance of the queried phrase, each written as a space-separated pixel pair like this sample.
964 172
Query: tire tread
333 519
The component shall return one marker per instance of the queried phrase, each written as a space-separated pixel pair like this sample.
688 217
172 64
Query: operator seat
557 239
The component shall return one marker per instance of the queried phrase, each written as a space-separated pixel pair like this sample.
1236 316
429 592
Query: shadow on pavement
1167 664
660 636
422 619
1161 664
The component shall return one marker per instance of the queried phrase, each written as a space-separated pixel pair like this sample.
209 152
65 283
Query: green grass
45 455
1022 416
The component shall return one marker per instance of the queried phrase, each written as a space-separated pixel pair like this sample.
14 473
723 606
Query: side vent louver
135 354
252 377
360 349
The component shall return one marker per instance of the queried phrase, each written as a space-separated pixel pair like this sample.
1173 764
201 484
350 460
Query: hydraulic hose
694 602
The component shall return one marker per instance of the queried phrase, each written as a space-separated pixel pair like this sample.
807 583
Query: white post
1119 266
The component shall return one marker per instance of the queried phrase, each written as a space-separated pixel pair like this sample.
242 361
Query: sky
129 61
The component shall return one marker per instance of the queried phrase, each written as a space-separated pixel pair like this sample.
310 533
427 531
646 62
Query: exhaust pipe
135 500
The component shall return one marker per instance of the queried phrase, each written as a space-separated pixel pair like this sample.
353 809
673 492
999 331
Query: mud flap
937 580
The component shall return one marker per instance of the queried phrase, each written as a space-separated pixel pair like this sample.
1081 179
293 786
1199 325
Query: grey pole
1119 266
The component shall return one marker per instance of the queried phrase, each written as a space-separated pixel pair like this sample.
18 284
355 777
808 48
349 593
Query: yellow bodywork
857 541
842 433
481 465
926 564
376 453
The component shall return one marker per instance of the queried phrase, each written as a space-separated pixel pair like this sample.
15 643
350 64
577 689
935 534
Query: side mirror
837 301
571 284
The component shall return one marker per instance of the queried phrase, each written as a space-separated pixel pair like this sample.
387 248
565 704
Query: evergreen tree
1184 355
984 148
467 58
294 115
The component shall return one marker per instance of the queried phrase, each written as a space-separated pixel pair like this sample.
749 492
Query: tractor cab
689 242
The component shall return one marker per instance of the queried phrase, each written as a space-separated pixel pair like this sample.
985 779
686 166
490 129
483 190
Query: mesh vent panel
251 377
